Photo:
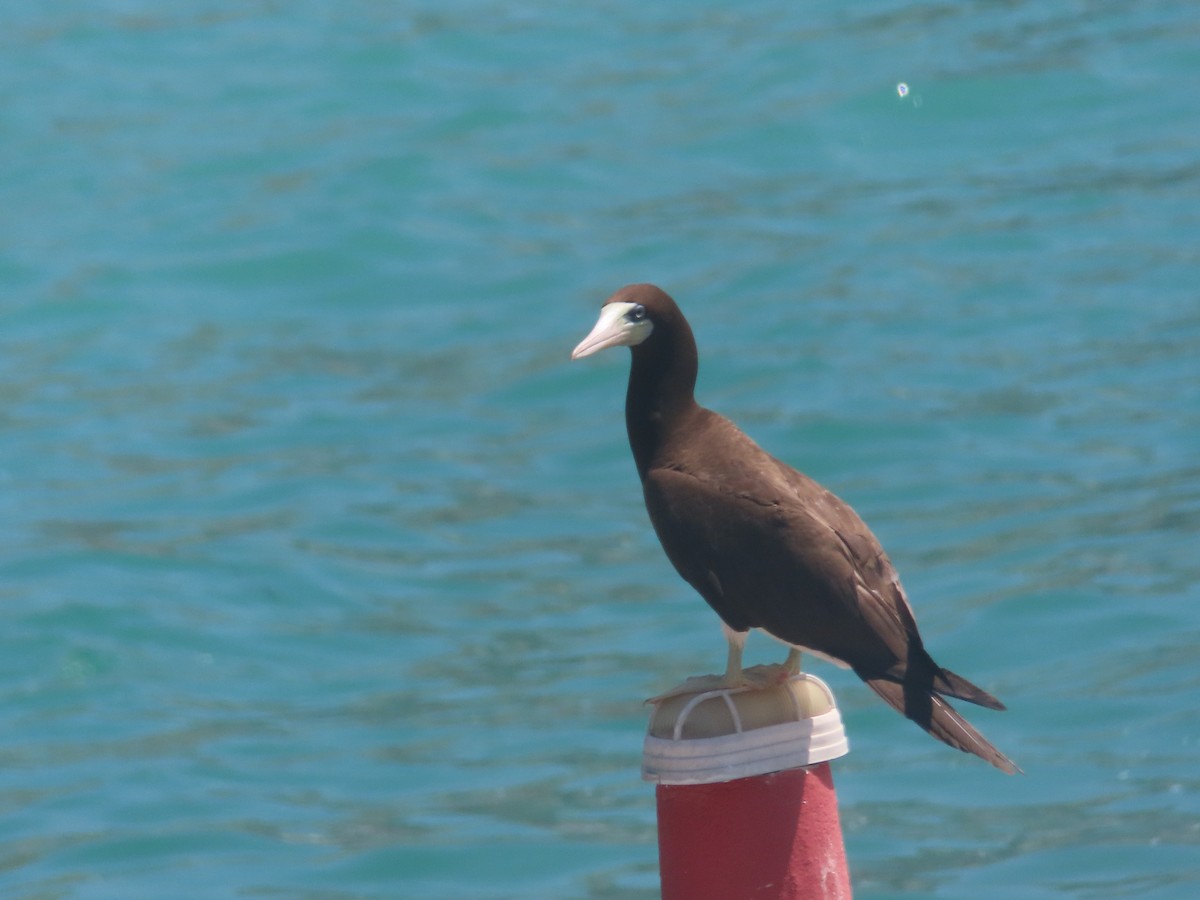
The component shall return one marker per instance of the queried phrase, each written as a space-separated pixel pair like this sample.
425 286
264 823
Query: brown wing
768 547
762 544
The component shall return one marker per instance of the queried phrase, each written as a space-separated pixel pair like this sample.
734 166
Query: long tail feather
952 685
941 720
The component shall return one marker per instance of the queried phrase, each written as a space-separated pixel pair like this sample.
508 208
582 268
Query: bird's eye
636 314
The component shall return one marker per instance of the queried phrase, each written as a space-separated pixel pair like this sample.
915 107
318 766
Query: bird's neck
661 394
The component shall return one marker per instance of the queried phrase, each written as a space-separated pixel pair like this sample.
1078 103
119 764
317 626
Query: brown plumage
765 545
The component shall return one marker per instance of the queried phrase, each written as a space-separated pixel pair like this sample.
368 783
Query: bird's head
627 319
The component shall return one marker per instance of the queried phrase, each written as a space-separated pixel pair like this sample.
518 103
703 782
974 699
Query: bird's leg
775 674
791 665
734 676
756 677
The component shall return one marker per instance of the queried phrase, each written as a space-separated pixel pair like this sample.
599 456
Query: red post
746 804
773 836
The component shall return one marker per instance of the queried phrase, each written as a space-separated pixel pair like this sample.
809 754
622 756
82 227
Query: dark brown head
632 316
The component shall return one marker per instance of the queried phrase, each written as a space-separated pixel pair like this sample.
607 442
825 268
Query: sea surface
325 574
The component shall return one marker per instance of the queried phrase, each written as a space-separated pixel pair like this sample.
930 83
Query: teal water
326 575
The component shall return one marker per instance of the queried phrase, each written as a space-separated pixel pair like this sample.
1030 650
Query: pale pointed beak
612 330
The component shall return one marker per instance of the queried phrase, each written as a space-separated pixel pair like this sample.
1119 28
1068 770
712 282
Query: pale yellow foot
768 676
697 684
756 678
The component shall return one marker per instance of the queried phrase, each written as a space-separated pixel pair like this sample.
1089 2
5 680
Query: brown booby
765 545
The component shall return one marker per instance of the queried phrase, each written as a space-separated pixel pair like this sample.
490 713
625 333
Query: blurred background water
325 575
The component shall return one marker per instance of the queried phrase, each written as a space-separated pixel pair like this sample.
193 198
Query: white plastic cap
721 735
